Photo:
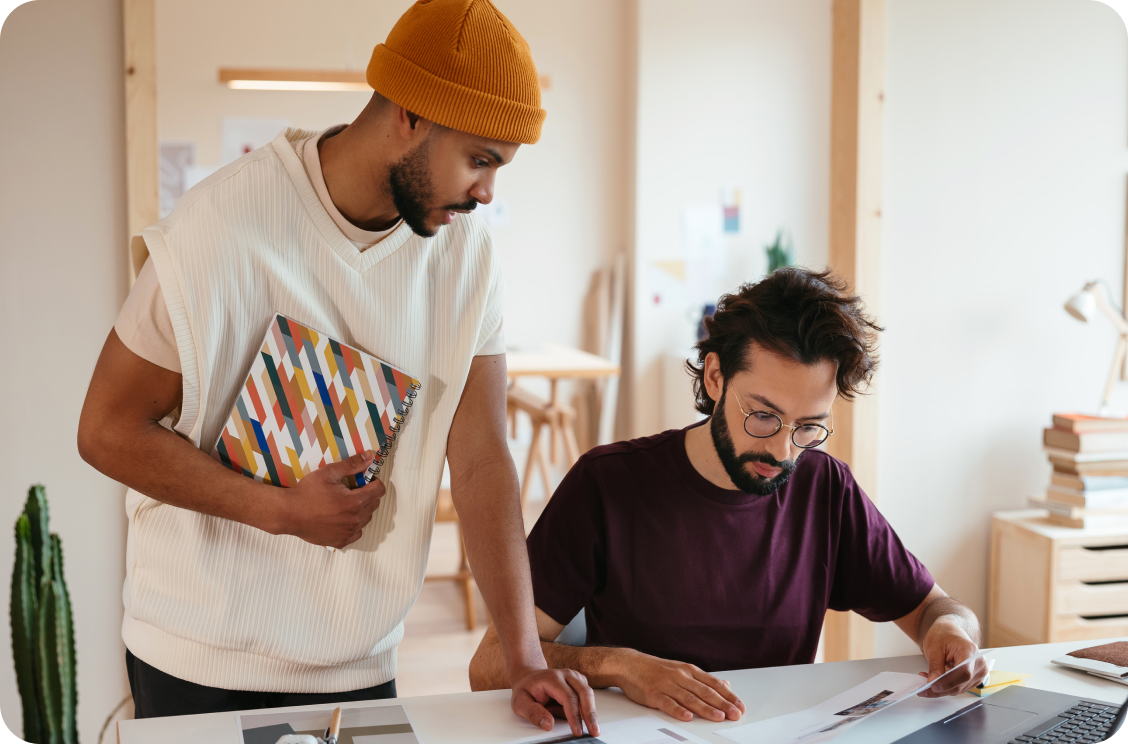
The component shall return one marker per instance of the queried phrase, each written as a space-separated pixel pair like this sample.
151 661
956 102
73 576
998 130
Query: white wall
62 278
568 195
730 93
1005 161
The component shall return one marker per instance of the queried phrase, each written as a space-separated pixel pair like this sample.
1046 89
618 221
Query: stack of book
1089 455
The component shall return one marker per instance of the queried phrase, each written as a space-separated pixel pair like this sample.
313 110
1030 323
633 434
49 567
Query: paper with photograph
383 724
827 720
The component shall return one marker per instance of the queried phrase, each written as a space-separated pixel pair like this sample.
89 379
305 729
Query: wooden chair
463 576
541 413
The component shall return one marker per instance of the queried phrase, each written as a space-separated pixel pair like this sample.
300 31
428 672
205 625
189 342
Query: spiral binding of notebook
397 422
310 400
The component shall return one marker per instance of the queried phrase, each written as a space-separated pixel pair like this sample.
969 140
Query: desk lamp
1084 306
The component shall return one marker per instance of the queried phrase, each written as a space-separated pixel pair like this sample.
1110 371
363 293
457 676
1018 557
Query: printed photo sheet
385 724
827 720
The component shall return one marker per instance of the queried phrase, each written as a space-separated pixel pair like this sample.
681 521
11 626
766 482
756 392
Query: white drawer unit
1049 583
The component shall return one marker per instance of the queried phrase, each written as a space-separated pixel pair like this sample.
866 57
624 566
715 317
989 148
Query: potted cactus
42 629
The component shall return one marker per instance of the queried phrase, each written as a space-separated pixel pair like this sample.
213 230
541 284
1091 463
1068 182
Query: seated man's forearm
487 668
950 610
677 689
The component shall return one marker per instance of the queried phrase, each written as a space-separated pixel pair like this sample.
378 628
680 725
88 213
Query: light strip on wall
339 80
316 80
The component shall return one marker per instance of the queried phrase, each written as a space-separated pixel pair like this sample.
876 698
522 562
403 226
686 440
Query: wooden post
857 100
142 166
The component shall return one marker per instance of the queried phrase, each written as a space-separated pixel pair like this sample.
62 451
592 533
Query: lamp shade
1082 305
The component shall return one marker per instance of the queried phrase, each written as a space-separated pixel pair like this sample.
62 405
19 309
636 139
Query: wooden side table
1049 583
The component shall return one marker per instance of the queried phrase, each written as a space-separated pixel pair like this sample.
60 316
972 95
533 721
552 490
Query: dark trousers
156 694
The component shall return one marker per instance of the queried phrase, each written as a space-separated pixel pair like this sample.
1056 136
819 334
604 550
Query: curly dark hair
800 314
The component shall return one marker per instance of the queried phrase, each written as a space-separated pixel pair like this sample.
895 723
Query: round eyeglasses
764 424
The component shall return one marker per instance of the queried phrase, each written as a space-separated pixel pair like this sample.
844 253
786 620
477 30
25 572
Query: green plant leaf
24 616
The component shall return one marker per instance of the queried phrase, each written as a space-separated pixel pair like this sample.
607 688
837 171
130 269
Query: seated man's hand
538 694
677 689
945 646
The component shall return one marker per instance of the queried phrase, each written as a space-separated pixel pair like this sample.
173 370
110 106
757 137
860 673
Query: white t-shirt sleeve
491 338
144 325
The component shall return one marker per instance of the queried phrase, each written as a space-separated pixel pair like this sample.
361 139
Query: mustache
763 457
467 205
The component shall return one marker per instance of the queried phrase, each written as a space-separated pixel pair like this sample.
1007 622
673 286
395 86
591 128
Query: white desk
485 717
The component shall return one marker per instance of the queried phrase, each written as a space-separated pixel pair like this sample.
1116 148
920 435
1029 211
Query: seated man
722 546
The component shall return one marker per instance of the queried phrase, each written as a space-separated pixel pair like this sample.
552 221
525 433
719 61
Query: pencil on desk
334 729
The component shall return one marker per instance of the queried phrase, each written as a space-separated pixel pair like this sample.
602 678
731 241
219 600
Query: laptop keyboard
1081 724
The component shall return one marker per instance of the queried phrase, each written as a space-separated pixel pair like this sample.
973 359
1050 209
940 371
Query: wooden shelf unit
1049 583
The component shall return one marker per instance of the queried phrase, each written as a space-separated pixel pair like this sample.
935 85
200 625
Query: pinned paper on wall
175 160
706 252
242 135
179 172
667 282
730 204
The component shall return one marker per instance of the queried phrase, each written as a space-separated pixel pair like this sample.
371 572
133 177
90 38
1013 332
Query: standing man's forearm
119 434
489 509
486 494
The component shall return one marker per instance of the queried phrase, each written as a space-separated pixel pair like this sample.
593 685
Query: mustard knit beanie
462 64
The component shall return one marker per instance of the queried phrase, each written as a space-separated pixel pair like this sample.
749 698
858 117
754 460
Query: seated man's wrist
948 624
612 667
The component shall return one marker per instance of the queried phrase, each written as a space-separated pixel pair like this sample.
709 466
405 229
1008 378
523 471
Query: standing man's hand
322 510
947 645
539 694
677 689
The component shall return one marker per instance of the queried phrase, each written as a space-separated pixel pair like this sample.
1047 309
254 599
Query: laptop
1024 715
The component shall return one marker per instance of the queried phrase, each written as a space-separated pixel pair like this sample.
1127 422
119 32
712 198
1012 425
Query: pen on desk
334 729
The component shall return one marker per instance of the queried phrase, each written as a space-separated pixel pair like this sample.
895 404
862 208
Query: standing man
363 232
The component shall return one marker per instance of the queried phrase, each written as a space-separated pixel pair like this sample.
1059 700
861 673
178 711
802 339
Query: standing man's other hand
322 510
539 693
945 646
677 689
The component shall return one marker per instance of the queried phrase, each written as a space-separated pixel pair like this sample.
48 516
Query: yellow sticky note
1002 678
999 680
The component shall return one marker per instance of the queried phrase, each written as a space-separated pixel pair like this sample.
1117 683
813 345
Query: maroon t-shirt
665 562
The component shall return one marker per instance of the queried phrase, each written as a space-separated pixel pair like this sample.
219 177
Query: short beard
409 180
410 183
753 483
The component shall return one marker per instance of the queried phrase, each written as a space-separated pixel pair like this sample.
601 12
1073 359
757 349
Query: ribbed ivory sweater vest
222 604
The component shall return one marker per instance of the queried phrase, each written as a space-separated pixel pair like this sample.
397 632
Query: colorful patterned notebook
309 401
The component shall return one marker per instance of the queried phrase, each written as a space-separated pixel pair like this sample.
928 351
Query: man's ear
411 127
714 380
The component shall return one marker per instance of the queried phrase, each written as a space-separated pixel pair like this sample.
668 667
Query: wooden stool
463 577
557 417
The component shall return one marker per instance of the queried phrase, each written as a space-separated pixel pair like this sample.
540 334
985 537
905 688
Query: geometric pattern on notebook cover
308 401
